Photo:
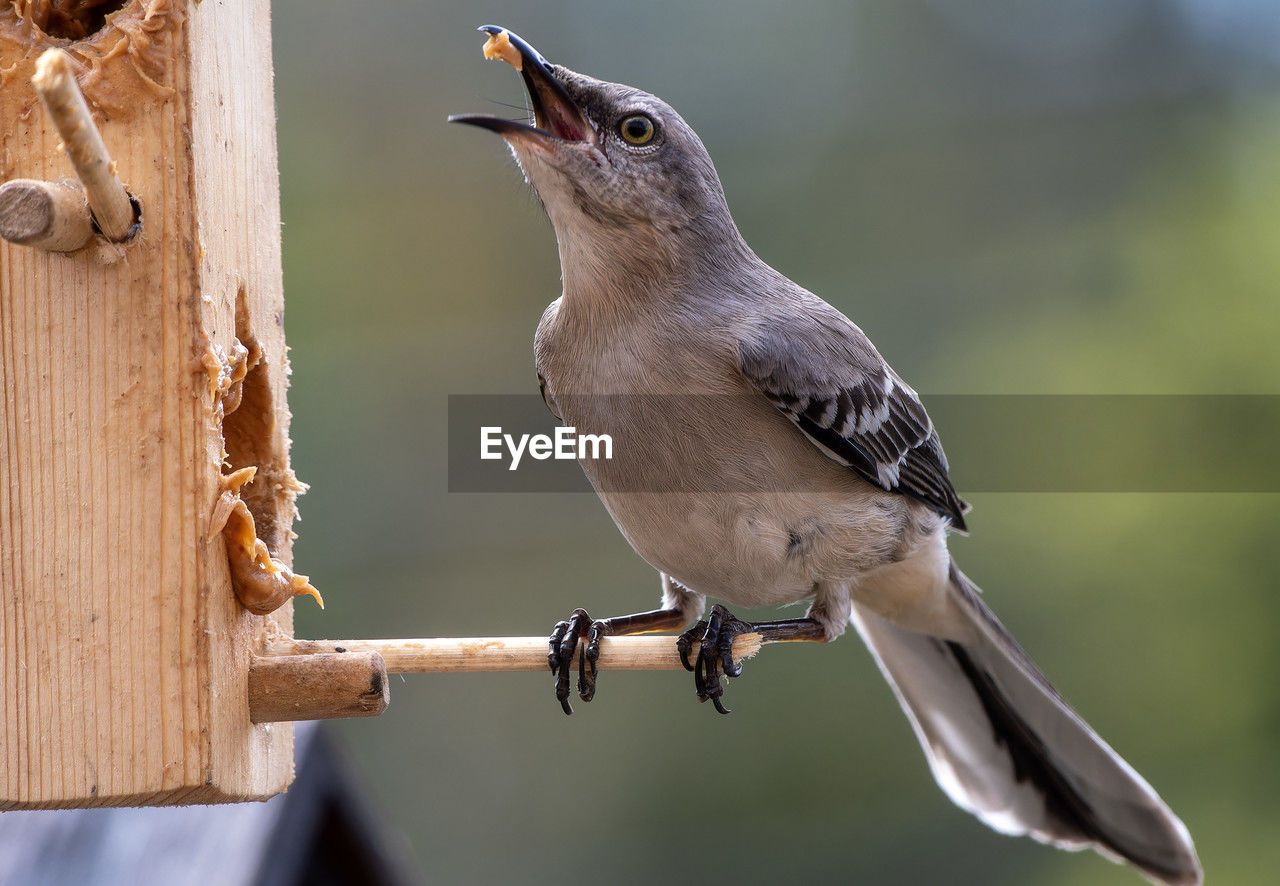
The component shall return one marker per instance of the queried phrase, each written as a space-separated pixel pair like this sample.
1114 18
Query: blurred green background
1029 197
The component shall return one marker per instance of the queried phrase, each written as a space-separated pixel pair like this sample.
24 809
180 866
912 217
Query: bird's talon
567 639
553 650
715 635
586 674
587 664
598 630
562 644
684 645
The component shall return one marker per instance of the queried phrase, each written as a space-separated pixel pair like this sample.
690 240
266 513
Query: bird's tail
1004 745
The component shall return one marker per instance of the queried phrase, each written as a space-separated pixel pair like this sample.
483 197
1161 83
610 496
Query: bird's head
614 166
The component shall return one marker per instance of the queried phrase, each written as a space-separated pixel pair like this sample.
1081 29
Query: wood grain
318 687
82 143
444 655
45 215
124 655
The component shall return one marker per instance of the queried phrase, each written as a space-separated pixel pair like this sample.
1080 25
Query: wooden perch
317 687
326 679
108 199
46 215
446 655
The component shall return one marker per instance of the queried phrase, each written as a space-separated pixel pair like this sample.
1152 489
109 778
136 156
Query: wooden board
124 654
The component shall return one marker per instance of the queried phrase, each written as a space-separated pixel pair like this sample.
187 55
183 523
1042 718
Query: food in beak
499 46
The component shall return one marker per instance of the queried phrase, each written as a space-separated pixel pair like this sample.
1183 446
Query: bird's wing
824 374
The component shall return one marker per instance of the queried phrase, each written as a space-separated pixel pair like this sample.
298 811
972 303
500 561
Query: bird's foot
715 655
565 639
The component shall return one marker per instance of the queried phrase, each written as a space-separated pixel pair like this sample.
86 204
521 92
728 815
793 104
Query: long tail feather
1004 745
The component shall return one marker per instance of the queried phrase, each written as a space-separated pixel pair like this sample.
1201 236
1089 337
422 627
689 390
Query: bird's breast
707 480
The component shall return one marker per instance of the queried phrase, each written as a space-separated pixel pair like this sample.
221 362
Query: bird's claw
562 645
715 634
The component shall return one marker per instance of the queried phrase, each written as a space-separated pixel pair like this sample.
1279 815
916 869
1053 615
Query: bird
767 454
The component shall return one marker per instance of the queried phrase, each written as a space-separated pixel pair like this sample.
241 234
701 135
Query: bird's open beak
555 115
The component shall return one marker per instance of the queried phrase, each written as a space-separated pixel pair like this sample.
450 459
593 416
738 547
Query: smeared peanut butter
124 63
261 582
227 371
499 46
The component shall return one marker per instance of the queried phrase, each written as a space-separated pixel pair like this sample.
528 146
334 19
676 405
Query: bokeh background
1019 196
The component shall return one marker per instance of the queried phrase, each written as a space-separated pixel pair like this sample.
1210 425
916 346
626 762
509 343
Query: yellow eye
636 129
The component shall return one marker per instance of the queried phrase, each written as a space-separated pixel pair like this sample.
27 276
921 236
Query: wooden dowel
46 215
108 199
318 687
443 655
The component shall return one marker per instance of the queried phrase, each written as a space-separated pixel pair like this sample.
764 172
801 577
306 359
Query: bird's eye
636 129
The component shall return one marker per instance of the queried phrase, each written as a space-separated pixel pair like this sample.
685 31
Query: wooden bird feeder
146 498
124 652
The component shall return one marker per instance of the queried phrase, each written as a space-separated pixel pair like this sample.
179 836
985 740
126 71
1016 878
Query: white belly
755 521
752 520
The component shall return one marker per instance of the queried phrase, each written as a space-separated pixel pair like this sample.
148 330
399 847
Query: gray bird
766 454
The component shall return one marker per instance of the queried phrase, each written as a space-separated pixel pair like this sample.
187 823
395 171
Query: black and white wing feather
823 373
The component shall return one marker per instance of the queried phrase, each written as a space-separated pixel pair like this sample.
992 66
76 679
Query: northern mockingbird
787 462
